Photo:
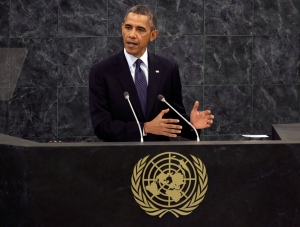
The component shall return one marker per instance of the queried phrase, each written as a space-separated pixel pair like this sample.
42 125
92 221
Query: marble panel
276 17
73 112
33 19
4 19
40 66
3 116
229 17
188 51
180 17
58 140
33 112
227 137
117 10
190 94
274 105
276 60
82 18
80 139
76 56
4 42
232 108
228 60
114 45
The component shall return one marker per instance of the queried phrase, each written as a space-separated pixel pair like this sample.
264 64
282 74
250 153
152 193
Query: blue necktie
141 85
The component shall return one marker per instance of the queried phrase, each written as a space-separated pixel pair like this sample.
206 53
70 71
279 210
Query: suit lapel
155 75
123 74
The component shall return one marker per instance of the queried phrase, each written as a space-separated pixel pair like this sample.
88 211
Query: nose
132 33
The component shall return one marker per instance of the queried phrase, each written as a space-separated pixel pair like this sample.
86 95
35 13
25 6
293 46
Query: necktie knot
138 63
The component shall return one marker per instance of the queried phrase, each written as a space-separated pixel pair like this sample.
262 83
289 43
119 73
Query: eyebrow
139 27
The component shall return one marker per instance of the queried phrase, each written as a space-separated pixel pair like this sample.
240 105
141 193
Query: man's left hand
201 119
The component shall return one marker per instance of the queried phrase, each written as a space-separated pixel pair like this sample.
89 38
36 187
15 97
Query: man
144 80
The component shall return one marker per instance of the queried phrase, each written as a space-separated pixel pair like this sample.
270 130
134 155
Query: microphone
162 99
126 96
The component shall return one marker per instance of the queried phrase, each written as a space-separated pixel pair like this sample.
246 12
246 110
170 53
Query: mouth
131 44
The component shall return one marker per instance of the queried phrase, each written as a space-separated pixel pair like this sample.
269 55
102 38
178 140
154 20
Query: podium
250 183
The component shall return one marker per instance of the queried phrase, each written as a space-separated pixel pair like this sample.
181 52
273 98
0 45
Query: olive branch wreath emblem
151 209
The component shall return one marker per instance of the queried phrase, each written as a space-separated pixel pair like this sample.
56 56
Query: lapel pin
157 71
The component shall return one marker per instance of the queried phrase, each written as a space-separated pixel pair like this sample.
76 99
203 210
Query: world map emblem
169 182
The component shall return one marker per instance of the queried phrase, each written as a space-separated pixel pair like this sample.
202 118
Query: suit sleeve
106 126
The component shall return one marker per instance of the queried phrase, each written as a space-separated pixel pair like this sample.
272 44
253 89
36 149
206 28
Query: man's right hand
165 127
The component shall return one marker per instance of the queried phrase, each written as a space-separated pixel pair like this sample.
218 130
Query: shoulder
162 60
109 62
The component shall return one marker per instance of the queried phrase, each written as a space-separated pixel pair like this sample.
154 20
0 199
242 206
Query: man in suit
144 80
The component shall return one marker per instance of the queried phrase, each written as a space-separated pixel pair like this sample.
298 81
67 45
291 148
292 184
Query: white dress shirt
131 63
144 66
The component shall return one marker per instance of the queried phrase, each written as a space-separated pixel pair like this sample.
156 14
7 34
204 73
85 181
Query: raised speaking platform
216 183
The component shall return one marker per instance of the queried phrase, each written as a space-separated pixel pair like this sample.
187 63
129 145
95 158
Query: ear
154 34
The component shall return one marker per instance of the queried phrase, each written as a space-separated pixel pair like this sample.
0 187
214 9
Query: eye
128 27
141 29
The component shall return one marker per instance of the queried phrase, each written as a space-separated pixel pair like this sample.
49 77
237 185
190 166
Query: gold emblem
169 182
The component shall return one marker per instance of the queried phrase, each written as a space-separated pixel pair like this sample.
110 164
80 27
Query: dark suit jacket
111 116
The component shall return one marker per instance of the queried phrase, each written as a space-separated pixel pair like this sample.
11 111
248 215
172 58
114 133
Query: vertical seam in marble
58 39
252 86
251 80
57 29
155 10
204 54
9 23
107 15
57 134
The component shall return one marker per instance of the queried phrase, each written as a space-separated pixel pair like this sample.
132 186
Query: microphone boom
126 96
162 99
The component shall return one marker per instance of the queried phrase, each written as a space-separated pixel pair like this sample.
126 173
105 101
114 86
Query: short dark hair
144 10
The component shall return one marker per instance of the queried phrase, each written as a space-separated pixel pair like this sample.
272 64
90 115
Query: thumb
163 112
196 105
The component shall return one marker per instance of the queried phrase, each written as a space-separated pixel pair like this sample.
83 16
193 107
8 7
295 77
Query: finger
173 131
170 121
196 105
170 135
171 126
207 112
209 122
163 112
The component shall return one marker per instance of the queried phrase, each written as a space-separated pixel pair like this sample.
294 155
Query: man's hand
160 126
201 119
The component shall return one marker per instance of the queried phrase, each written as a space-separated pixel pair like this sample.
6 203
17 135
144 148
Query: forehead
137 20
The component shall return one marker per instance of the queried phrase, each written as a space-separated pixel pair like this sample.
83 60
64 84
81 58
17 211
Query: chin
131 52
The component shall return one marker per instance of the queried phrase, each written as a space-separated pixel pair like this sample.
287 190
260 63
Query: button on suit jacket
111 115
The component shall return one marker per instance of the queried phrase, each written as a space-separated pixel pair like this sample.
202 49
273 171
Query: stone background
241 59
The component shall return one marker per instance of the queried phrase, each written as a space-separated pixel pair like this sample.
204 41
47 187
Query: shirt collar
131 59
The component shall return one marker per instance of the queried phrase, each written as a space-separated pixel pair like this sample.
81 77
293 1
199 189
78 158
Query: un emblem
169 182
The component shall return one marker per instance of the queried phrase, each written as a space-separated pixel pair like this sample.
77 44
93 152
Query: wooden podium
250 183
